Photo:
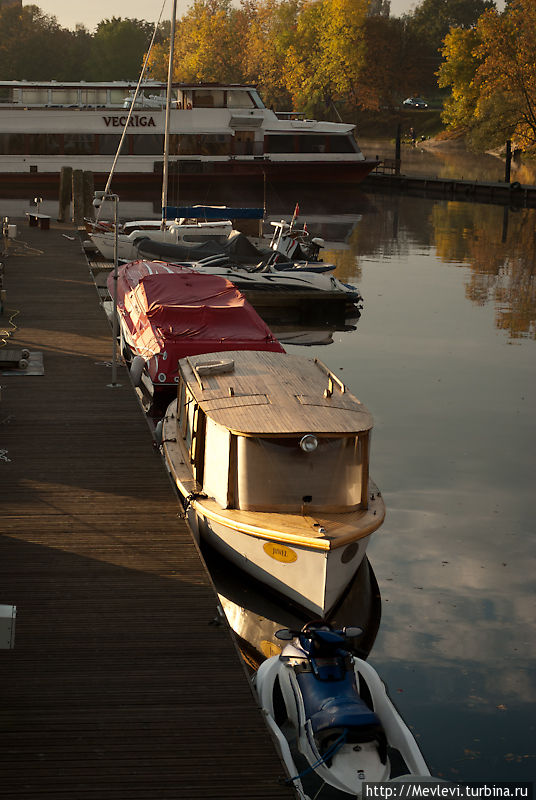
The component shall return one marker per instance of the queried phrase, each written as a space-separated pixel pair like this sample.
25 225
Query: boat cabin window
187 408
190 144
63 97
78 144
208 98
216 463
239 99
277 473
33 96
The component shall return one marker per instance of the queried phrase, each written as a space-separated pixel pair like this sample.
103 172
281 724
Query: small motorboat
270 456
166 313
331 715
178 231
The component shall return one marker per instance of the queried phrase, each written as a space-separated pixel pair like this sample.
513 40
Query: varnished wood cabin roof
274 394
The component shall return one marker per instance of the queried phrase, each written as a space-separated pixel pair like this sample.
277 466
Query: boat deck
123 682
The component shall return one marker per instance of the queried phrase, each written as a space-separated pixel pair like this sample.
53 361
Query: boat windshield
276 473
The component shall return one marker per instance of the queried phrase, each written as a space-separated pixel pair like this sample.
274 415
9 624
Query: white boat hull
315 580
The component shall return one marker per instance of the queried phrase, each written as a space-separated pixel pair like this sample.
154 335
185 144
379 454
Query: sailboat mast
165 168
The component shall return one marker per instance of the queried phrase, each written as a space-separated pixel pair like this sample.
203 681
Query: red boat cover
171 312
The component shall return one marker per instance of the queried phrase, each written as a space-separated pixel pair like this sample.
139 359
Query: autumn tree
491 71
271 30
324 62
458 71
209 45
506 76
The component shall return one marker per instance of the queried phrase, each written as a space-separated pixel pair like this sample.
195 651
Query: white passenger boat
270 454
221 130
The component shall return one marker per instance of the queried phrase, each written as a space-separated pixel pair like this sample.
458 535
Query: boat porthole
161 377
349 552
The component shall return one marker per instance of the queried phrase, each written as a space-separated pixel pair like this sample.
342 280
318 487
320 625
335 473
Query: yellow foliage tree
491 70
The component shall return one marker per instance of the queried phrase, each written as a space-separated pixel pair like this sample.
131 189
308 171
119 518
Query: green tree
32 45
118 48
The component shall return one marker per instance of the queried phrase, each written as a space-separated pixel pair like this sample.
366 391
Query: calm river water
444 356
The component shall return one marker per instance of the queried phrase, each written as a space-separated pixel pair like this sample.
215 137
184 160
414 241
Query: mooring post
397 150
89 193
78 197
66 187
508 161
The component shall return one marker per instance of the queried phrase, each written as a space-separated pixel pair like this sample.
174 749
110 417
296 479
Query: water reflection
255 614
497 244
451 162
447 286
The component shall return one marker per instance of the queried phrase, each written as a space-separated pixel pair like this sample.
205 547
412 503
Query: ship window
257 99
217 449
108 143
150 144
64 97
342 144
277 473
36 97
213 98
78 144
283 143
117 96
93 97
239 99
202 144
12 144
44 144
311 143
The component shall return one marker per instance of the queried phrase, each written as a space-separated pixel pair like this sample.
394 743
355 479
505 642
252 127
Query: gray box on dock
7 627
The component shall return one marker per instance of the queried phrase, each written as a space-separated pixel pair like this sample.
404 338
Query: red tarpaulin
170 312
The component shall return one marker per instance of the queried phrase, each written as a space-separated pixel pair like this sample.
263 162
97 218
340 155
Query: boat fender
158 433
515 186
136 369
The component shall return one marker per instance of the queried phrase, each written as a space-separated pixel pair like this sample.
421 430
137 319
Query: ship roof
273 394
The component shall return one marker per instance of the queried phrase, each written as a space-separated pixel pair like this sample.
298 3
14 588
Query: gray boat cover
238 249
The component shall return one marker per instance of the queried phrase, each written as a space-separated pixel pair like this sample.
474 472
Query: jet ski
331 715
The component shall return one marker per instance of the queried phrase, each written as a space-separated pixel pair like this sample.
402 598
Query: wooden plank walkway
119 687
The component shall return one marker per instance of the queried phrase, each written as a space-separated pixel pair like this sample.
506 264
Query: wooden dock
123 684
385 179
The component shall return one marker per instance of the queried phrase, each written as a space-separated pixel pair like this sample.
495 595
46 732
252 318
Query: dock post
397 150
66 185
88 192
508 161
78 197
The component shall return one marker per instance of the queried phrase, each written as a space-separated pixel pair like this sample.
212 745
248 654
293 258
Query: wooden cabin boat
167 312
270 454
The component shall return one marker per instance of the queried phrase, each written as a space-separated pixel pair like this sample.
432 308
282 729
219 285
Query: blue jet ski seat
334 706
